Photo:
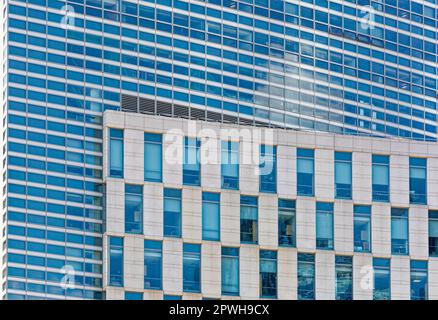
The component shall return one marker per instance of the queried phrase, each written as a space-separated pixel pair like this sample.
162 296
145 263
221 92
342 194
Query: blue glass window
306 276
192 166
230 271
268 274
362 228
343 173
324 225
399 231
210 216
172 213
133 209
248 219
344 277
433 233
115 261
382 279
230 165
133 295
305 172
419 286
153 158
171 297
153 259
380 177
417 180
286 223
116 153
268 168
191 267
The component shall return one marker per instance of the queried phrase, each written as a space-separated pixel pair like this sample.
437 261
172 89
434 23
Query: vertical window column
248 219
211 216
133 209
343 174
268 168
191 165
305 172
116 153
417 180
172 213
153 157
362 228
191 267
286 223
344 277
433 233
115 261
324 226
419 285
230 271
382 279
230 165
399 231
306 276
380 178
153 264
268 274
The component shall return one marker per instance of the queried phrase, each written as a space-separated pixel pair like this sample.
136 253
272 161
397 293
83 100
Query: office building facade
347 68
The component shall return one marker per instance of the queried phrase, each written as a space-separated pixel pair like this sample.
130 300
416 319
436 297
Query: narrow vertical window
419 286
153 159
344 277
115 261
268 274
248 219
324 225
172 213
306 276
382 279
268 168
286 223
116 153
433 233
191 267
191 166
211 216
417 180
380 178
230 271
133 209
305 170
362 228
230 165
153 259
399 231
343 173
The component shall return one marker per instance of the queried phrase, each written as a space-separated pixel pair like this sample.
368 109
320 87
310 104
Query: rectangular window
268 274
192 166
380 177
230 271
230 165
382 279
399 231
191 267
133 295
344 277
306 276
433 233
211 216
248 219
115 261
417 180
419 287
286 223
153 157
343 173
133 209
362 228
116 153
153 259
172 213
268 168
324 225
305 170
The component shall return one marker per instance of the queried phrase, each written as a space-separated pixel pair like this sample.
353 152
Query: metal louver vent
214 116
147 106
197 114
129 103
181 111
164 109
